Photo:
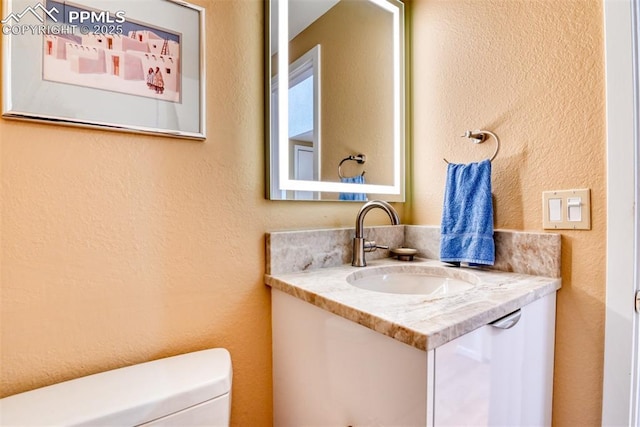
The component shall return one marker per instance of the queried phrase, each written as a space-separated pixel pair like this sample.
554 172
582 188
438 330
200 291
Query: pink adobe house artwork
127 58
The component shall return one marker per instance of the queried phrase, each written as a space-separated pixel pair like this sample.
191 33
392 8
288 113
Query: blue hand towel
358 179
467 215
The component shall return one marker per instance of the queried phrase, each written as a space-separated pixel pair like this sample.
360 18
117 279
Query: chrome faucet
360 245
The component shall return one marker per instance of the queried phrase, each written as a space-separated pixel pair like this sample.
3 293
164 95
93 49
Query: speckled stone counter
313 265
418 320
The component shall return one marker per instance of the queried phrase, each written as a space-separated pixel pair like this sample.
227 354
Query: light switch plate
566 209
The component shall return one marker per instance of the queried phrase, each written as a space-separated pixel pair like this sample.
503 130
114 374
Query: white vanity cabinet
498 377
329 371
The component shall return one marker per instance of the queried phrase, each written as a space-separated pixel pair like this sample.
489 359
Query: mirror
335 100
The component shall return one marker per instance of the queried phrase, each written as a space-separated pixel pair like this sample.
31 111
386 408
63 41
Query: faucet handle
370 246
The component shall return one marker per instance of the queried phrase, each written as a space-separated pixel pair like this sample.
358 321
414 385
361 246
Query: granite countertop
421 321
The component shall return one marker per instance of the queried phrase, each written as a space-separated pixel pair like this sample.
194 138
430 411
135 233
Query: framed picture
124 65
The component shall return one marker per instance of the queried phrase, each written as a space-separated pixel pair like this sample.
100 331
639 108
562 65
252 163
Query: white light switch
566 209
574 209
555 210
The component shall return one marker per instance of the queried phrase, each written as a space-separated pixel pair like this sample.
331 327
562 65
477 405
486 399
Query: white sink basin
415 279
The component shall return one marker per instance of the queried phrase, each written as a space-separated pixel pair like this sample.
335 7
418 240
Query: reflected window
304 123
301 105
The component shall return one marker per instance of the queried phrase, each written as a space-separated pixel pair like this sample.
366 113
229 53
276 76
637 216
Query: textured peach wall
120 248
533 72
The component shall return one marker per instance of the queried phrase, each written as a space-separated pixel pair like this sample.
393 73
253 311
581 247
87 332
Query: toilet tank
192 389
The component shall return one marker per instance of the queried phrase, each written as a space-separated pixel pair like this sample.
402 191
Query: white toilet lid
126 396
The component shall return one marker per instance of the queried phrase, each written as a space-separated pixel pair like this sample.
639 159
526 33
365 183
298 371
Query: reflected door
303 170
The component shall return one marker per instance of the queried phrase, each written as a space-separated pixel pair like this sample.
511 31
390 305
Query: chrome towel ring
359 158
478 137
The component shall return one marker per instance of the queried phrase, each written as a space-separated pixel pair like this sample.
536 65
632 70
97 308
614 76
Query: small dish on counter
403 254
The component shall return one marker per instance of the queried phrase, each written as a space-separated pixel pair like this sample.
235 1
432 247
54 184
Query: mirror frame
394 192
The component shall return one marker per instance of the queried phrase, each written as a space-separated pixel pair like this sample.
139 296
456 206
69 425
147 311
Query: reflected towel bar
359 158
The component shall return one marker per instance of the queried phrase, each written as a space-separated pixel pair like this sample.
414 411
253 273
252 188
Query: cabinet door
329 371
498 377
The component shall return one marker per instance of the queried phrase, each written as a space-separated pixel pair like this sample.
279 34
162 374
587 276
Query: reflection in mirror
336 92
